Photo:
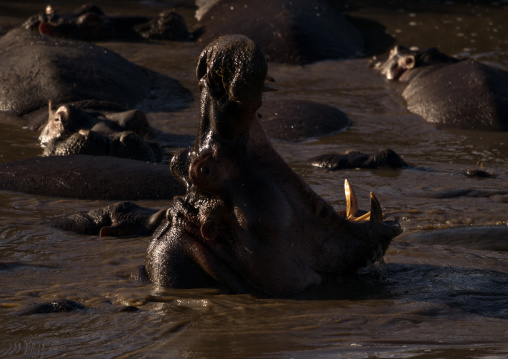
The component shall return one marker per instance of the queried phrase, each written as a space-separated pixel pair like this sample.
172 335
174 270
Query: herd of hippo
240 218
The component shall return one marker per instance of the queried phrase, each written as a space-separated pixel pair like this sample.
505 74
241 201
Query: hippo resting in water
296 32
248 222
356 159
89 23
70 131
450 92
75 73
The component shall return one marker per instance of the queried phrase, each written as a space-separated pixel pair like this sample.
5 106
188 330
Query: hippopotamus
90 177
71 131
247 222
298 120
356 159
295 32
75 73
89 23
450 92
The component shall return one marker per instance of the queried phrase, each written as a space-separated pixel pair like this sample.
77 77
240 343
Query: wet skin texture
451 93
89 23
247 221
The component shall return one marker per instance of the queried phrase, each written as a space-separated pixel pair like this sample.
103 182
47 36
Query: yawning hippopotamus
89 23
248 221
450 92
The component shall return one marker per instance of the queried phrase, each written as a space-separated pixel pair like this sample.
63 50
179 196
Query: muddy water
439 300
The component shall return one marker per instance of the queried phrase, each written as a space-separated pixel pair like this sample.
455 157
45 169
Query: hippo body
296 32
90 177
121 144
71 72
467 95
297 120
448 92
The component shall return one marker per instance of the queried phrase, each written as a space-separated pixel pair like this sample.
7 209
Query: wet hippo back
64 72
466 94
296 32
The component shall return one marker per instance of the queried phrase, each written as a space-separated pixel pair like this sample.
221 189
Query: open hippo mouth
248 221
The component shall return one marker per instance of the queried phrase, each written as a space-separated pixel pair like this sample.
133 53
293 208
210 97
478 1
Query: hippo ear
62 115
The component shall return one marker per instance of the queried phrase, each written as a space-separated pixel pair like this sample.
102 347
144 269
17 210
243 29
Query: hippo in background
295 32
447 91
90 23
75 73
356 159
298 120
70 131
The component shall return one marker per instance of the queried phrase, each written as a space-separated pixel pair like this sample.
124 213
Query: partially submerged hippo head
248 221
71 131
401 60
67 120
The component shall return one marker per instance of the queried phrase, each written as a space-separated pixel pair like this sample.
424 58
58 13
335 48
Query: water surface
439 300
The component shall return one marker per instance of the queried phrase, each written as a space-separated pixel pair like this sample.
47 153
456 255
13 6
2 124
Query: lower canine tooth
351 203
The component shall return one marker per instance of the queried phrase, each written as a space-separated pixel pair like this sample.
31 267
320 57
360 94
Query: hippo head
248 221
401 61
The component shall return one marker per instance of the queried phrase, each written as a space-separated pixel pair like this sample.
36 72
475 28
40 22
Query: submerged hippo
450 92
356 159
89 23
296 32
247 222
297 120
74 73
70 131
90 177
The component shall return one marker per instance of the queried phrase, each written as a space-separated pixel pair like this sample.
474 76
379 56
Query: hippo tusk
351 203
376 213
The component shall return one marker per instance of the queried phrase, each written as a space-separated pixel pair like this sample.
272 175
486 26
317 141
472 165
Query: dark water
439 301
